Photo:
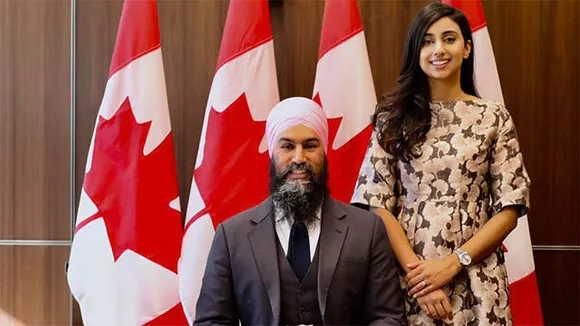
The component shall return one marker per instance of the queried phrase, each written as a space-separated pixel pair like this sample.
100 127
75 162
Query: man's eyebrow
308 140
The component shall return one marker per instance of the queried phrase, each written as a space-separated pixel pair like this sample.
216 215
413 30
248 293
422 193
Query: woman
447 164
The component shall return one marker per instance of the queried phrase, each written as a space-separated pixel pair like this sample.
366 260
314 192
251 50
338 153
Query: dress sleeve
376 182
510 182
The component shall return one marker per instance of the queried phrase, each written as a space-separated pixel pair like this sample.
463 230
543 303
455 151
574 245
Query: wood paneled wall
536 48
34 160
537 51
34 168
33 286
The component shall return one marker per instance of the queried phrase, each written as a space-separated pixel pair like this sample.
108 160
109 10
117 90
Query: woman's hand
427 275
436 305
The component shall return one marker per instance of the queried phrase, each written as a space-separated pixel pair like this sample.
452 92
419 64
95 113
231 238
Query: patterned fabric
469 169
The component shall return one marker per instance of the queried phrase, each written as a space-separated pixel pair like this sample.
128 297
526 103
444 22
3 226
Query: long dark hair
403 117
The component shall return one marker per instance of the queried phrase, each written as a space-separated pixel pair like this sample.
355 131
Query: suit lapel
262 239
332 235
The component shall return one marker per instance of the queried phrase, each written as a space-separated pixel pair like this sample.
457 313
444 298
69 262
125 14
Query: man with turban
300 257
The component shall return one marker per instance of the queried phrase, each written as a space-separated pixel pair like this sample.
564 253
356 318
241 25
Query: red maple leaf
234 174
344 163
132 191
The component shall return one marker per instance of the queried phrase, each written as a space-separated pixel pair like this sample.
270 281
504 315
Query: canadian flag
127 241
524 294
231 170
344 88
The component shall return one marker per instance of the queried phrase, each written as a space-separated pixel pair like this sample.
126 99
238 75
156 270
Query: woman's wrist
453 263
412 259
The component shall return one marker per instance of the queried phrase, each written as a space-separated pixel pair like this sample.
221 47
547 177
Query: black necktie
299 250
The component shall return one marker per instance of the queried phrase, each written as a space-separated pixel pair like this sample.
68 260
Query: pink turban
295 111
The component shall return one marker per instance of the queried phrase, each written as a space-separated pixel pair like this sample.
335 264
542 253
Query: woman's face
443 50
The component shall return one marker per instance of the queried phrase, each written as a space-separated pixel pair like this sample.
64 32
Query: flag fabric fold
231 170
127 239
524 295
344 89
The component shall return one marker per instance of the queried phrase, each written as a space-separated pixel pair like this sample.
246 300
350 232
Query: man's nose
299 157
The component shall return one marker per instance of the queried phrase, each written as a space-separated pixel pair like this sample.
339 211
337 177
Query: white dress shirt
284 227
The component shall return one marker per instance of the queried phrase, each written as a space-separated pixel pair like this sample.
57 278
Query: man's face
299 155
298 174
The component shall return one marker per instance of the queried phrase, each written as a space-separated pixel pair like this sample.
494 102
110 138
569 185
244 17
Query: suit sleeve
217 304
384 298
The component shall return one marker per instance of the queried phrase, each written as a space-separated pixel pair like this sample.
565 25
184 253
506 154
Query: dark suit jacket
357 271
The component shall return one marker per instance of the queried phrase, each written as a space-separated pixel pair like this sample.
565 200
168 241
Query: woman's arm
398 239
491 235
436 273
436 304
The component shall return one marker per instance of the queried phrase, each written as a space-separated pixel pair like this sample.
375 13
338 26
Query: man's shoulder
363 226
239 219
244 217
355 215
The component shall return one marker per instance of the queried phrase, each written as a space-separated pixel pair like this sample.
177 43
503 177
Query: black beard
299 199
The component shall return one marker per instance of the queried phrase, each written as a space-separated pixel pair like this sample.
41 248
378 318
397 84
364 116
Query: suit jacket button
301 292
303 311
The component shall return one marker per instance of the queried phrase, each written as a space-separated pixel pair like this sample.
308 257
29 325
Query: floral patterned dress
469 169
